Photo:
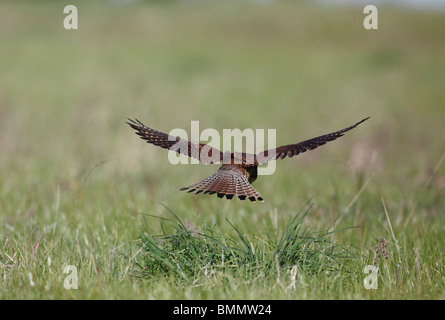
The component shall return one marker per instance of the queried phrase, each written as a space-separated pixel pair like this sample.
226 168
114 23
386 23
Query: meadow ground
78 188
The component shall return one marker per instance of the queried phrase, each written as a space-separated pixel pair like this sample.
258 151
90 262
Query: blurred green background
69 162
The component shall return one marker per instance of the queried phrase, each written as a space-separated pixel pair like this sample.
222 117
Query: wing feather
202 152
291 150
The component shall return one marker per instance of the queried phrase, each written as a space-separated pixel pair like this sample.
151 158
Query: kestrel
238 170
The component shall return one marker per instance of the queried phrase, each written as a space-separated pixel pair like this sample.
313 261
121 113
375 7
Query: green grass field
78 188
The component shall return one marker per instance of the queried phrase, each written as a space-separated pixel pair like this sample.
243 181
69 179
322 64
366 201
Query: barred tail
228 183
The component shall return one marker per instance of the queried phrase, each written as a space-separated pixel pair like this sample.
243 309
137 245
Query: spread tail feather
226 183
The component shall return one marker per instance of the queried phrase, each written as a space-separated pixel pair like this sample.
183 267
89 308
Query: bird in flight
239 170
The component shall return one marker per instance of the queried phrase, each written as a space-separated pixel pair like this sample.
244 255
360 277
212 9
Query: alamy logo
370 282
71 281
248 146
371 20
70 21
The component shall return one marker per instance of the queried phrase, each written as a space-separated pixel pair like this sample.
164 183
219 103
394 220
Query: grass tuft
183 253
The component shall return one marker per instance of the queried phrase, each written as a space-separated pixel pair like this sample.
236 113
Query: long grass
184 253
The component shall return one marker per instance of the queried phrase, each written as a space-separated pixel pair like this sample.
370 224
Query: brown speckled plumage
233 177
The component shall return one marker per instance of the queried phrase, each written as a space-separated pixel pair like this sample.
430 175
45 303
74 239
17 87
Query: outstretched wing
291 150
203 152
